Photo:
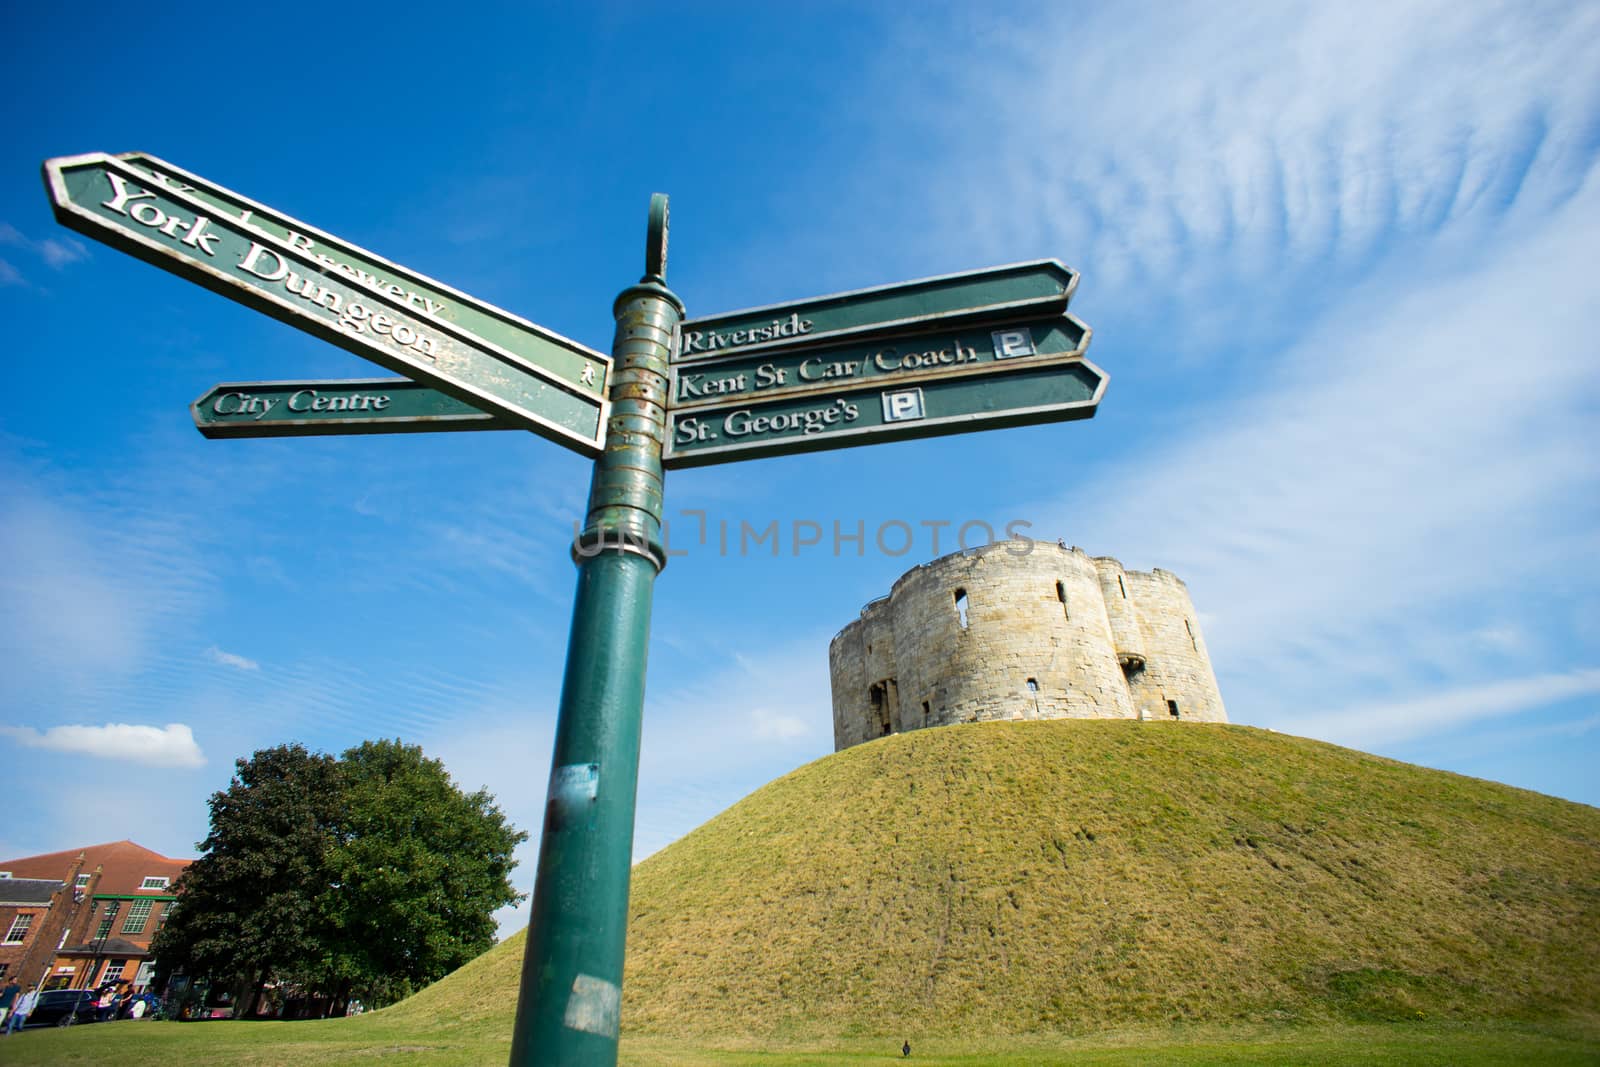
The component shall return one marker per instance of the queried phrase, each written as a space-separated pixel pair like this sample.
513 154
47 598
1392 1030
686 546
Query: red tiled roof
125 865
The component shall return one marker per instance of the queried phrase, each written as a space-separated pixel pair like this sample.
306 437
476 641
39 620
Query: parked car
63 1007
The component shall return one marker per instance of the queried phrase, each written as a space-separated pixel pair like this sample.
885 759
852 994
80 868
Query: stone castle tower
1021 630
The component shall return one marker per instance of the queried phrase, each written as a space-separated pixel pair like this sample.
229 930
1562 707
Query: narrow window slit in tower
1192 640
1172 706
1061 595
880 696
1033 685
961 607
1122 587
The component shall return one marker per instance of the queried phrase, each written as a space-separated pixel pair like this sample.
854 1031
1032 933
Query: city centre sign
361 406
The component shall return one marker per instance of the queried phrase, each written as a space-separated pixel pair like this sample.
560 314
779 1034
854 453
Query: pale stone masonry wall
1049 633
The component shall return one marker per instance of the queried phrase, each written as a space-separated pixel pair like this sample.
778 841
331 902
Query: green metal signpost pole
570 1003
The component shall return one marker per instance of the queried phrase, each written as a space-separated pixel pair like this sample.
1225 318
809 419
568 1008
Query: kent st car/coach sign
941 355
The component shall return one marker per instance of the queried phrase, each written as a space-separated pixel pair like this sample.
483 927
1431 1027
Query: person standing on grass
21 1010
8 997
905 1050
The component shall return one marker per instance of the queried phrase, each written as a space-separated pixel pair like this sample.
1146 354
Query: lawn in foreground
372 1039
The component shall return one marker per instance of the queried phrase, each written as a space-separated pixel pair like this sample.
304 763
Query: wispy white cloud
778 726
1177 152
59 253
1389 508
97 575
55 252
228 659
172 745
1370 725
53 559
1341 256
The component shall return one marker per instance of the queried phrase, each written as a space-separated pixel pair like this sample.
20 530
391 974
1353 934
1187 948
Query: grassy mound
1015 878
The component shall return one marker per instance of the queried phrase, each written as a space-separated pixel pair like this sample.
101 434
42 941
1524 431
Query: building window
114 971
108 918
153 883
19 929
961 607
1172 706
4 969
83 880
138 916
1192 640
1033 685
1122 587
926 711
1061 595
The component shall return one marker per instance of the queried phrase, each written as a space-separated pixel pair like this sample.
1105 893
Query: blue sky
1338 261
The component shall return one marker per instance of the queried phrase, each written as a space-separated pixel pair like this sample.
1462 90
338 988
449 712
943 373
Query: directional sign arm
579 366
1042 287
1029 394
338 408
108 200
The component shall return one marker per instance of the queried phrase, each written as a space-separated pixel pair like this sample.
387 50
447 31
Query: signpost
361 305
941 355
359 406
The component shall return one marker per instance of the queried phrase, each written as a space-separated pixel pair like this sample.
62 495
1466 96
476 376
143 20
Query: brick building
85 916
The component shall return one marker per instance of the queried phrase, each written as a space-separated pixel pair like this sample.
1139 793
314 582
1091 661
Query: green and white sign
1039 288
873 411
359 406
901 359
347 297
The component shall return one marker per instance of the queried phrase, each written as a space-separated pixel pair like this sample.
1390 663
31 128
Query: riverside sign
941 355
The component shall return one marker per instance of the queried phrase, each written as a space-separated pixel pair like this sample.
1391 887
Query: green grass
372 1039
1066 878
1045 893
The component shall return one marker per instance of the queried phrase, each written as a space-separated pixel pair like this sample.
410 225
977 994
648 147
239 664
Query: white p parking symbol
902 405
1010 343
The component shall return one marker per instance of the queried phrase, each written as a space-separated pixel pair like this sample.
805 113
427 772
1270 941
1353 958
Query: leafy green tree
419 868
367 876
248 907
